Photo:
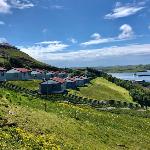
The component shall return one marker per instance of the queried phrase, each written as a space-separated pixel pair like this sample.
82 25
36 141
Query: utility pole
47 90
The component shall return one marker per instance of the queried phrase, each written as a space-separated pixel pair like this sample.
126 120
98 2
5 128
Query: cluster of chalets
53 81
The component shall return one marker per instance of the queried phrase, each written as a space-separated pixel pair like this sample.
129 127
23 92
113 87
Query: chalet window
2 74
16 75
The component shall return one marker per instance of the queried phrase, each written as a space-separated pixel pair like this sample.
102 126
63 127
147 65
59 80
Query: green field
24 124
32 85
101 89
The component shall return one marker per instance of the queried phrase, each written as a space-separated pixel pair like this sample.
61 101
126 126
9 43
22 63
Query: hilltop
10 56
101 89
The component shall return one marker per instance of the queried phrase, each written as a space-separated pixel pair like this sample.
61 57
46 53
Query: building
79 81
2 74
62 75
18 74
70 83
61 81
52 86
50 74
86 80
38 74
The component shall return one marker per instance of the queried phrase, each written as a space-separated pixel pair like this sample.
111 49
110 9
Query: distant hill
10 56
128 68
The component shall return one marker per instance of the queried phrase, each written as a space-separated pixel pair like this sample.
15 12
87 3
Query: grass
3 61
101 89
18 58
32 84
64 126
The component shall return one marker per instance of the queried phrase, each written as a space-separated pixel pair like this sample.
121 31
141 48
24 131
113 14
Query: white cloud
98 41
103 52
149 27
96 36
6 6
45 30
126 34
124 11
21 4
118 4
73 40
3 40
50 43
42 49
47 54
59 7
2 23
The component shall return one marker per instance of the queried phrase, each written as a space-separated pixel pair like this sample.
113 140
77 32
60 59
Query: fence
70 98
101 103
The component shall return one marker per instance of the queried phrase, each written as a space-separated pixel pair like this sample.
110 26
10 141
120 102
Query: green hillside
24 124
31 84
11 56
102 89
128 68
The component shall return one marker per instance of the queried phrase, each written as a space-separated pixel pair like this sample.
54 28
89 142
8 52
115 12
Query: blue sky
68 33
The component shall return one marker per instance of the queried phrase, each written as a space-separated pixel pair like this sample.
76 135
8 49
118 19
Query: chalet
86 80
2 74
38 74
50 74
62 75
52 86
79 81
61 81
18 74
70 83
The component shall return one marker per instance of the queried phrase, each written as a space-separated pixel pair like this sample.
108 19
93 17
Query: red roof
57 72
22 70
41 71
63 72
71 79
2 69
82 77
60 80
51 72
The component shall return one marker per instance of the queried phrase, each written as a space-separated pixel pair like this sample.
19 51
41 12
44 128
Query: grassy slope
32 85
67 127
17 58
102 89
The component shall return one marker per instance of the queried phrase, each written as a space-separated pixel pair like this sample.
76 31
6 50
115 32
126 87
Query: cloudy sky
69 33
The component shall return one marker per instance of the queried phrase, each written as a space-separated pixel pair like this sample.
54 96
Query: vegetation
30 122
145 84
101 89
139 94
70 98
11 56
31 84
129 68
25 123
